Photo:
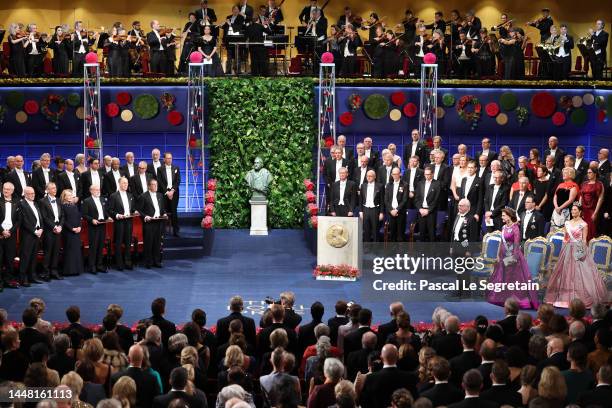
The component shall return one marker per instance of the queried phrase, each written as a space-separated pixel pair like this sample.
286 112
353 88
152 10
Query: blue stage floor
254 267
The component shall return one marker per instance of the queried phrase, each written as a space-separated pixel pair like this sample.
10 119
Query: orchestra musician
306 13
246 11
205 14
463 55
349 18
348 48
508 50
255 33
438 24
191 31
317 27
436 46
504 26
234 24
118 45
137 46
171 43
473 25
377 52
17 40
520 45
563 63
457 23
157 45
484 52
81 42
543 24
274 14
390 56
419 48
371 25
600 46
62 51
333 45
35 49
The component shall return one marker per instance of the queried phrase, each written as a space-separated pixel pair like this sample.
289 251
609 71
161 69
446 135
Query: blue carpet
254 267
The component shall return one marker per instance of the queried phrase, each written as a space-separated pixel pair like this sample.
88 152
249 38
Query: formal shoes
57 276
25 284
46 278
158 265
36 281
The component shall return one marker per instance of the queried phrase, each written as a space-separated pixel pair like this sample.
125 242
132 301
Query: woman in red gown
591 199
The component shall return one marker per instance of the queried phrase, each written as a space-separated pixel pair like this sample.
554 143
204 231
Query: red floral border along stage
340 271
209 207
469 117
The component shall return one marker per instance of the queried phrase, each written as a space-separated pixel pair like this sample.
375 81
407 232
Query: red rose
309 185
112 110
314 221
175 118
398 98
543 104
346 119
312 209
207 222
208 209
410 110
492 109
329 141
212 184
558 119
123 98
31 107
310 197
210 197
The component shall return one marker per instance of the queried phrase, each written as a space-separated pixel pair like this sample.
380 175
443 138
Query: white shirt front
553 152
370 196
526 221
7 223
495 191
95 178
598 51
342 188
458 225
125 202
156 165
35 211
577 163
130 168
117 176
364 171
143 181
53 202
520 199
469 180
367 153
155 204
22 179
80 39
481 171
394 203
425 192
338 167
70 176
414 148
601 163
46 175
34 48
412 176
436 171
169 176
388 168
98 204
347 52
161 47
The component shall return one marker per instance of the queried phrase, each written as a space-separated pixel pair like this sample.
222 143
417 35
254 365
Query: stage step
188 245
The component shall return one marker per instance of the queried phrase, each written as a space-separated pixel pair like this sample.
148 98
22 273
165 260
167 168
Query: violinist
508 53
371 25
157 43
409 23
438 24
485 55
35 49
171 42
390 55
564 54
348 47
137 45
349 18
246 11
473 25
457 23
419 48
436 46
118 46
377 53
81 42
543 24
191 32
274 14
255 32
62 48
17 39
306 12
504 26
333 45
463 55
521 44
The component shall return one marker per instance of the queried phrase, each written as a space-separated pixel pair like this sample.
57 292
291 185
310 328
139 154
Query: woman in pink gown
576 275
511 266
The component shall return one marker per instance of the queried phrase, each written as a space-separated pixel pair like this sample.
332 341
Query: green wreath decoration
74 100
53 108
470 117
522 115
578 117
448 100
146 106
376 106
15 100
508 101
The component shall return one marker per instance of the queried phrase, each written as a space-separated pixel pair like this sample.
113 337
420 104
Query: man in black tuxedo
331 170
416 148
304 16
427 197
465 229
501 391
442 393
129 168
495 200
483 167
555 151
69 180
178 384
371 207
234 23
357 361
369 151
205 14
158 310
42 176
555 351
522 336
532 221
471 189
412 176
9 217
379 386
139 182
603 167
581 165
347 153
487 151
147 387
306 333
383 173
554 176
437 145
352 341
52 220
155 163
508 323
106 165
263 338
121 208
385 329
246 11
338 320
360 172
449 345
96 215
518 197
73 314
29 335
152 209
343 196
442 173
472 385
93 176
157 43
468 359
563 63
110 183
396 203
600 47
30 232
169 179
236 307
19 177
602 394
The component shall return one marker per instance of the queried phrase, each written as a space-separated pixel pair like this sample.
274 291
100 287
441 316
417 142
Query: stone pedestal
259 217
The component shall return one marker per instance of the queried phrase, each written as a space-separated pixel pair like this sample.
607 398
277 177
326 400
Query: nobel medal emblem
337 236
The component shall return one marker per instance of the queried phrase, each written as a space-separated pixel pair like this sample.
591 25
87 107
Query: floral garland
54 115
522 115
168 100
469 117
355 101
343 271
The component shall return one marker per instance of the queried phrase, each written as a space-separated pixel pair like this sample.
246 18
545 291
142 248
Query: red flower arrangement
212 184
167 100
329 141
410 110
558 119
469 117
208 209
543 104
346 119
312 209
310 197
89 143
112 110
309 185
54 101
337 271
354 102
123 98
492 109
313 221
175 118
398 98
210 197
31 107
207 222
601 116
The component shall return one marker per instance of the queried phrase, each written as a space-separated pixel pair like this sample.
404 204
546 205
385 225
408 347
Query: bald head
389 354
395 308
136 355
555 345
368 340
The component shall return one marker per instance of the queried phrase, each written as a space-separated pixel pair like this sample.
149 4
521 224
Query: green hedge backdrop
271 118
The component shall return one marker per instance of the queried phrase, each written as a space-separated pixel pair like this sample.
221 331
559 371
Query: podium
339 241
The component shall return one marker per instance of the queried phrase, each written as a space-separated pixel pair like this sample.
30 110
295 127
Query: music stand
588 55
546 63
2 33
232 40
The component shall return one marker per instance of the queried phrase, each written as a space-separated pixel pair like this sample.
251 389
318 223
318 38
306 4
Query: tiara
577 204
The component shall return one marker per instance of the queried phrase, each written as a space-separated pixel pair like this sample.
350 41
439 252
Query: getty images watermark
437 271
